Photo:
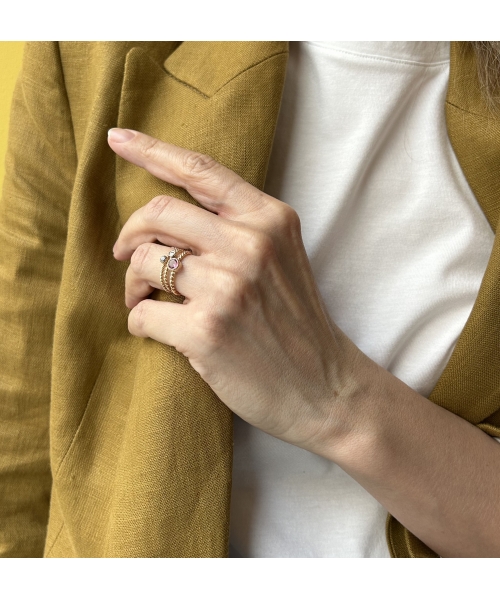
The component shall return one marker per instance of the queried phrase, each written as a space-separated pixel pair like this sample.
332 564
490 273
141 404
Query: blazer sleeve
40 169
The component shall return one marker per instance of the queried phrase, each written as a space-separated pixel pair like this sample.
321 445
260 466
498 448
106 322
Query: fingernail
115 134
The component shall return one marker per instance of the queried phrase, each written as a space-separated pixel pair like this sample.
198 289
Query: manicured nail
115 134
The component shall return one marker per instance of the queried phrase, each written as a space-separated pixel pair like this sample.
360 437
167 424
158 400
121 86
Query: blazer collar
220 98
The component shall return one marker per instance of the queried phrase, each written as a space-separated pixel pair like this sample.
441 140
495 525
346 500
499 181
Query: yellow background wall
10 63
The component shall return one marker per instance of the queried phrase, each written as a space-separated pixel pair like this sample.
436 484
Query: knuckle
286 219
258 247
236 290
140 257
155 208
138 317
196 164
290 219
212 327
150 148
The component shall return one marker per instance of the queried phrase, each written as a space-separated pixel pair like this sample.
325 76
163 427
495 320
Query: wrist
358 427
353 394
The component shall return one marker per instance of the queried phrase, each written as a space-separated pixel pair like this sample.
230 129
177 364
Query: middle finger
173 222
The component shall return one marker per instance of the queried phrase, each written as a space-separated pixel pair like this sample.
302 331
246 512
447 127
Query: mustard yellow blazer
112 445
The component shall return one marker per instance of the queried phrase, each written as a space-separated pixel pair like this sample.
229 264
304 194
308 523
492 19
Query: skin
255 328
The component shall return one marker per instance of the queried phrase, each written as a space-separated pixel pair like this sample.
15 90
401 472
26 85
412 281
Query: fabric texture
127 443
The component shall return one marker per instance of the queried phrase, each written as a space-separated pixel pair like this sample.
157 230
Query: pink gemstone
173 263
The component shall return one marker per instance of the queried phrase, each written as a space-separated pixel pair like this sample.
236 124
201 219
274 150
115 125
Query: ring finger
144 273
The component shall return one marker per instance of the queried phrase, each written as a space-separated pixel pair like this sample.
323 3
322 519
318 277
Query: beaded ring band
171 264
163 275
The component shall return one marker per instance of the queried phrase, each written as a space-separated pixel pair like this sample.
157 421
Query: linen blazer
112 445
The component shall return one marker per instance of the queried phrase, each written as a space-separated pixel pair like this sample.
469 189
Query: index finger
213 185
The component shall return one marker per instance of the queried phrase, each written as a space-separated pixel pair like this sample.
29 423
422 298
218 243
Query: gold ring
171 264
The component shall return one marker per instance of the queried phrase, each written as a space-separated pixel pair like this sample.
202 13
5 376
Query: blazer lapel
219 98
174 477
470 384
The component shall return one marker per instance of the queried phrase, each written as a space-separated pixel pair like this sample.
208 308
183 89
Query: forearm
432 470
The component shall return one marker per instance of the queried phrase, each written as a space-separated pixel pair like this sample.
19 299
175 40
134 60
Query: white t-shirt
398 245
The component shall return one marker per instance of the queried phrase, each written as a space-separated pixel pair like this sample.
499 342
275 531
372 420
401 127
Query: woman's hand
253 326
252 323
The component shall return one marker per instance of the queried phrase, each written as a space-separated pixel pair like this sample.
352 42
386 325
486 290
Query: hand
254 327
252 324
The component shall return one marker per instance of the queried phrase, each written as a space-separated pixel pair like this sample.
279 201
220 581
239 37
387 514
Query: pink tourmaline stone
173 263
